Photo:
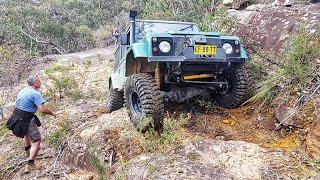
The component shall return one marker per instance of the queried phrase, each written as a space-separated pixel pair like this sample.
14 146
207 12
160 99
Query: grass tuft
95 161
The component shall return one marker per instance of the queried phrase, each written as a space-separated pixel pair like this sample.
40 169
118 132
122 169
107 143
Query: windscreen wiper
186 28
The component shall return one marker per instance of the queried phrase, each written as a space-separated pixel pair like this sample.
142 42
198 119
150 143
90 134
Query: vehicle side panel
140 49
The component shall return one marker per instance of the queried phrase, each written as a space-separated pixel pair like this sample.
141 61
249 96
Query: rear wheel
144 102
115 99
237 91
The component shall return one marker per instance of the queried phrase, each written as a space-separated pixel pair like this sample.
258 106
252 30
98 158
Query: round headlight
228 48
165 46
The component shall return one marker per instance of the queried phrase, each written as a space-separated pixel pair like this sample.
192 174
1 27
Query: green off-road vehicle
158 61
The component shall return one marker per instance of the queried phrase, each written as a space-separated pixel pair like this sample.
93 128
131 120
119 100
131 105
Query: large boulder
207 160
269 28
286 116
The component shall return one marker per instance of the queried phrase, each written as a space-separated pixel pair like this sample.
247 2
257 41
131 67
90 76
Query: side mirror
123 39
133 14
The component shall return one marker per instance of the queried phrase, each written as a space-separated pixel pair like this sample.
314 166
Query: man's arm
42 108
39 101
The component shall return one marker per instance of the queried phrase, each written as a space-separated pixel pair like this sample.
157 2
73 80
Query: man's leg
35 147
27 146
30 166
34 137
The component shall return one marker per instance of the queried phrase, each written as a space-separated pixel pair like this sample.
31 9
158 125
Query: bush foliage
56 26
294 71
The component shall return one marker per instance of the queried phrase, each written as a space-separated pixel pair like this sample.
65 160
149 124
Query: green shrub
6 53
196 11
63 82
68 24
152 141
267 89
76 94
219 21
76 25
193 11
299 62
57 68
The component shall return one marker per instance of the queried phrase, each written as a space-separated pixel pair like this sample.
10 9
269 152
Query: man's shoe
31 167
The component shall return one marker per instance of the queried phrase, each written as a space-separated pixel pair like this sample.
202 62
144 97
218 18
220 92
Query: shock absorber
157 74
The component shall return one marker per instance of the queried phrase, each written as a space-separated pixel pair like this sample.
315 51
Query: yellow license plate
205 50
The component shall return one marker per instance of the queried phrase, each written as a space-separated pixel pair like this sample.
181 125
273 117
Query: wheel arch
138 65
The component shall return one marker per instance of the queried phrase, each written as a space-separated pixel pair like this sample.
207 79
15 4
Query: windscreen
142 28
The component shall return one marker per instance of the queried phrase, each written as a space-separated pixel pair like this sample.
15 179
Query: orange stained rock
233 123
287 143
226 121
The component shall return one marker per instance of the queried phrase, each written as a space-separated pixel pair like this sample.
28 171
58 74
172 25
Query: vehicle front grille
183 45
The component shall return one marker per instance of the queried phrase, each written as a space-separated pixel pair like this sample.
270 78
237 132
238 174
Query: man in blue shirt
29 100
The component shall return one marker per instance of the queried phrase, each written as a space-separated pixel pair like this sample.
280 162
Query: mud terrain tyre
115 100
144 101
238 88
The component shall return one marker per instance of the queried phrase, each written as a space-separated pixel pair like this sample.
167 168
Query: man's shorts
33 133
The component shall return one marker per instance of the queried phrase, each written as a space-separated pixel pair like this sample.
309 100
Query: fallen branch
111 158
272 61
66 176
49 170
58 156
53 168
309 92
60 49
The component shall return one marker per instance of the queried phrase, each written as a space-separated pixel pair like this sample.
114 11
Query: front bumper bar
184 59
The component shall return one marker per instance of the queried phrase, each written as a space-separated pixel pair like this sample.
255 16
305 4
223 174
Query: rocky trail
84 142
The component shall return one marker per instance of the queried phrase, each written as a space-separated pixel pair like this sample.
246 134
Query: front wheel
144 102
237 90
